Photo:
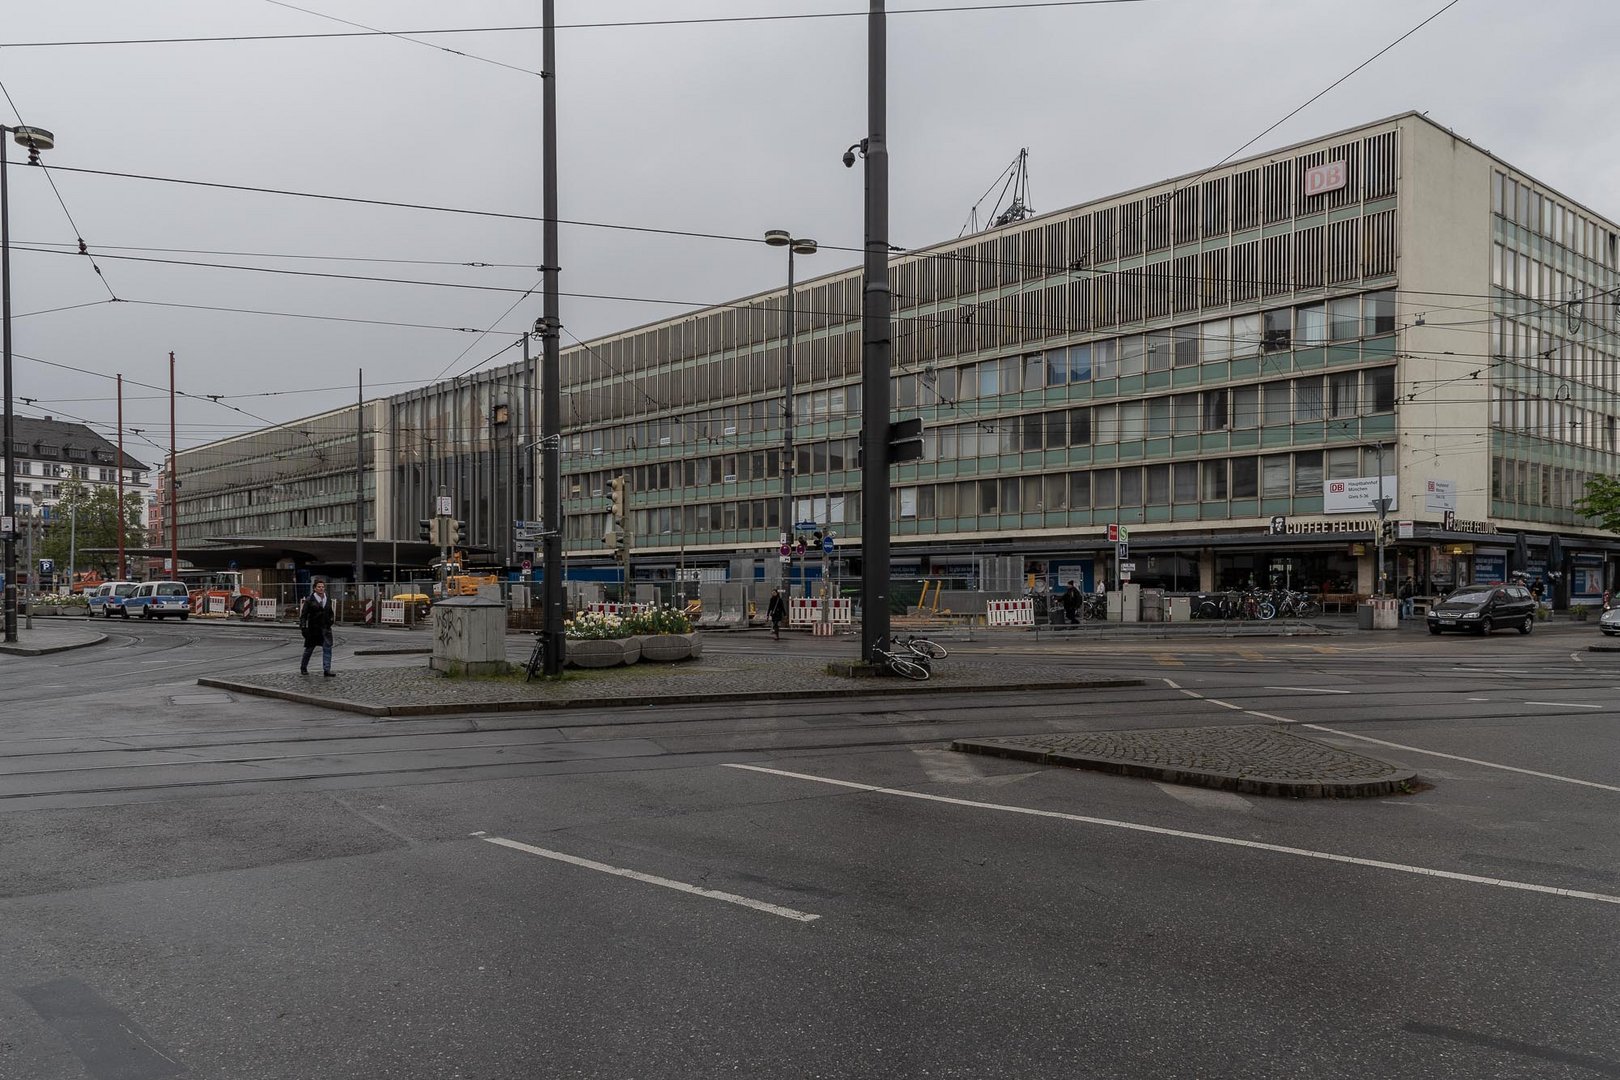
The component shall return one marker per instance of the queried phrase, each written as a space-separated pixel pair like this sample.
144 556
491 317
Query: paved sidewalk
52 634
1251 758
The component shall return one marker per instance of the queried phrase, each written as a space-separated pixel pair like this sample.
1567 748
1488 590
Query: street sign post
442 506
827 544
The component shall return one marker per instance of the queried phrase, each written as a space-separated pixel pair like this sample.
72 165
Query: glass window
945 500
1159 348
1217 340
1158 416
1187 414
1342 394
1034 430
1380 388
988 503
1057 429
1308 399
1308 472
1131 422
1034 494
1057 367
1010 486
1130 486
1035 371
1275 476
1344 318
1215 410
967 384
1103 489
1186 346
1245 477
1130 356
1080 427
1158 485
1247 332
1279 404
1012 370
1079 489
1080 363
1186 481
1312 326
990 378
1102 360
1214 479
1378 313
1277 329
1056 491
1343 464
1245 407
1105 424
925 502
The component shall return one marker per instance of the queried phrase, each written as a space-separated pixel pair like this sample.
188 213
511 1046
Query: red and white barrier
616 609
218 605
1009 613
371 612
393 612
265 608
806 611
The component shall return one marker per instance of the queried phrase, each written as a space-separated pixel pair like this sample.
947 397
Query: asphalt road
193 884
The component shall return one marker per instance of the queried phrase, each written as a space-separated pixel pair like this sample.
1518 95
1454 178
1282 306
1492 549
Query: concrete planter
603 652
669 648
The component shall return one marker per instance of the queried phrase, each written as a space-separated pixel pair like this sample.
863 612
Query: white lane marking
1205 798
1477 699
1306 689
1224 704
1192 693
1182 834
1565 704
1416 750
636 875
1172 684
1455 757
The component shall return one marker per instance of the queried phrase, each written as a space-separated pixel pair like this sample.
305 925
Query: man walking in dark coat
1071 603
315 620
777 612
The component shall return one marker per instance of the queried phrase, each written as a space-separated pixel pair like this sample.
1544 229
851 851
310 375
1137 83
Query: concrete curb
627 701
20 650
1254 776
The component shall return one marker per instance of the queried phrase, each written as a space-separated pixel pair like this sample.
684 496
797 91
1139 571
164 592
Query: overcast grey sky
728 128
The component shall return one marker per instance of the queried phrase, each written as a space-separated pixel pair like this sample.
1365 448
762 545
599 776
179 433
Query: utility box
1125 603
1178 609
1152 605
469 636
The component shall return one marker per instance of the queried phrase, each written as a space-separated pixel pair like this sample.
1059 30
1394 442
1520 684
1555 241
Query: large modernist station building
1235 365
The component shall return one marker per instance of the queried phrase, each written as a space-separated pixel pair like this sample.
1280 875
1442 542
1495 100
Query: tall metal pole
360 482
174 485
786 561
875 351
122 569
1383 512
550 375
10 458
529 428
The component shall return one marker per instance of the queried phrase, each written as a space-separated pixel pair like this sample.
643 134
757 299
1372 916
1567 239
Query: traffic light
616 501
456 534
906 440
424 529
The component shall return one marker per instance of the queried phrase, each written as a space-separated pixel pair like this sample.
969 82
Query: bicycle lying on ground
902 661
921 646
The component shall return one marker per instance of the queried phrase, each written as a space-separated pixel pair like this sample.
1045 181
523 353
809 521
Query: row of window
1560 356
1531 484
1552 420
1518 202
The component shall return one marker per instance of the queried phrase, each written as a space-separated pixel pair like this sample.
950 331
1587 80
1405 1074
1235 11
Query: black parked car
1485 608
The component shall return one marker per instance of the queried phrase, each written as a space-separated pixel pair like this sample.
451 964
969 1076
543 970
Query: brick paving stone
1253 758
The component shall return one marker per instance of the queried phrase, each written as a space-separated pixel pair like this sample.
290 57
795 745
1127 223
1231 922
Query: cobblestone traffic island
412 690
1251 758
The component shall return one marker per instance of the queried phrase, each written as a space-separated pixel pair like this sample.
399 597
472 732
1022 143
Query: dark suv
1485 608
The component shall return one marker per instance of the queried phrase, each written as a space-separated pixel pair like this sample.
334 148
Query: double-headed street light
796 246
35 139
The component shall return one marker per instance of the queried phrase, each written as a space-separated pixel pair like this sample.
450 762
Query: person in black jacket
315 620
776 611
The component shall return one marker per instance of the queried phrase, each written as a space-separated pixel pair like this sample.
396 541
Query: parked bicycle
904 662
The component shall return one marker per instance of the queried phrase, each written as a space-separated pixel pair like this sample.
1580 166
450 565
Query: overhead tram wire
707 21
401 35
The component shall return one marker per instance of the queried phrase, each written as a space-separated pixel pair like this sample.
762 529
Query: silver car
1609 621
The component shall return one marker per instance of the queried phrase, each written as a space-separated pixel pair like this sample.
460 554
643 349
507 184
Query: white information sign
1356 494
1440 495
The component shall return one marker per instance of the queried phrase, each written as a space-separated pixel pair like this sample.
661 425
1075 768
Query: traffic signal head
424 529
455 533
616 499
906 440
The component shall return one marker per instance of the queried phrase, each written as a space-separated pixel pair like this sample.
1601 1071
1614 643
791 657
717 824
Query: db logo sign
1324 178
1336 488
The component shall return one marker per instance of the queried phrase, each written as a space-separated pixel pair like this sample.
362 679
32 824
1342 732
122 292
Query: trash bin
1364 615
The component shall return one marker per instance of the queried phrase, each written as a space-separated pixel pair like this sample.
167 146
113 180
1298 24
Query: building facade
52 453
1234 366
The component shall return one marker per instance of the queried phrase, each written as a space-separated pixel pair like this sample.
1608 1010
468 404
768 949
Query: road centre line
636 875
1566 704
1182 834
1306 689
1414 749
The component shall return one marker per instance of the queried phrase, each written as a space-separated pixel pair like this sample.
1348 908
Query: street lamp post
35 139
796 246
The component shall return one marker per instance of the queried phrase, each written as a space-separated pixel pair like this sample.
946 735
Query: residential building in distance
50 453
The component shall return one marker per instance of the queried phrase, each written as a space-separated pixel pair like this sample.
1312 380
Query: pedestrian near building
315 620
1407 594
776 611
1071 603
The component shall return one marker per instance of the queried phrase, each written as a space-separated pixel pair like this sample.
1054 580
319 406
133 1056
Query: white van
160 599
